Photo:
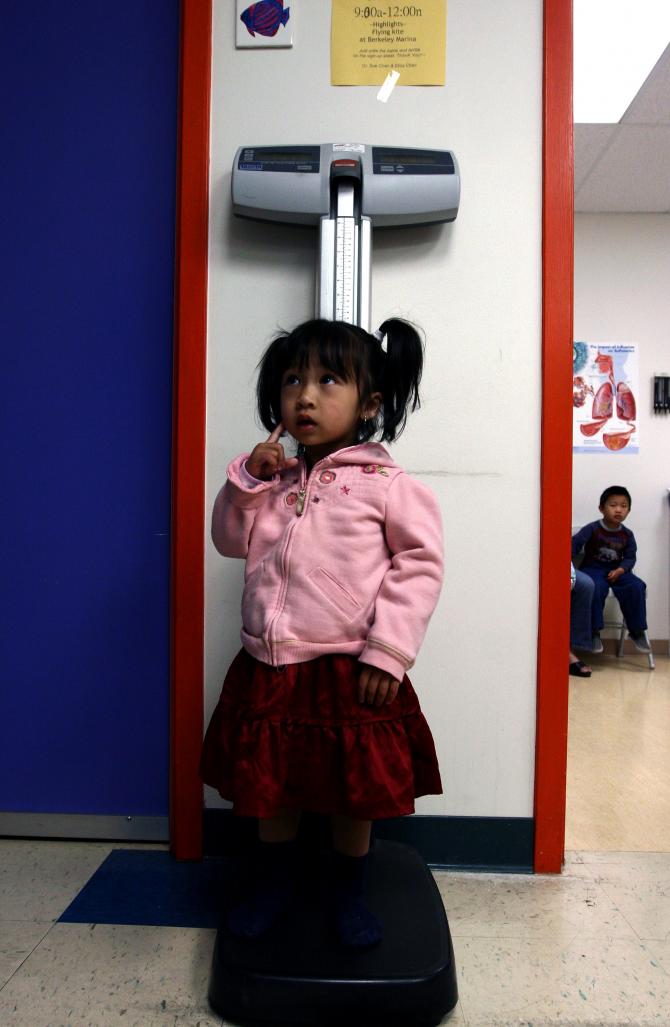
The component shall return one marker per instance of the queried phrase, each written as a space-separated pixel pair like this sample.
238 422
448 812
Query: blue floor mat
150 887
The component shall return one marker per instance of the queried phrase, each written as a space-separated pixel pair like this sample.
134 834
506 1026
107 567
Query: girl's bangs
335 349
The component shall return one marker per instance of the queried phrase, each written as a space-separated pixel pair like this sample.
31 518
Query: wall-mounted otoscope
347 189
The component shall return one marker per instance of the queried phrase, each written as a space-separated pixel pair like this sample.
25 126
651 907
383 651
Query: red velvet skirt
298 738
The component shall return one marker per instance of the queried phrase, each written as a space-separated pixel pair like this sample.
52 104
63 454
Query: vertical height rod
346 255
345 252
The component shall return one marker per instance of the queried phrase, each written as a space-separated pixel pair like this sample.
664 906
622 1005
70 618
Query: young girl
343 570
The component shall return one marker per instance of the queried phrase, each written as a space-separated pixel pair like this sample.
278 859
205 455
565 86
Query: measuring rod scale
298 972
346 189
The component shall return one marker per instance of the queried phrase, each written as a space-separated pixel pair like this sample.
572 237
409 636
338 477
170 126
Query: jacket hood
364 453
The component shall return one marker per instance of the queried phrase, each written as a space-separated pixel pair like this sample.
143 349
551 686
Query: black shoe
275 876
357 926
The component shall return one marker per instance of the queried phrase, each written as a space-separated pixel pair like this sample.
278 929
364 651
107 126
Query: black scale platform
299 973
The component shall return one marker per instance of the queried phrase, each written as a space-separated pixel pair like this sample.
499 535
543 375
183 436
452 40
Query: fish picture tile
264 23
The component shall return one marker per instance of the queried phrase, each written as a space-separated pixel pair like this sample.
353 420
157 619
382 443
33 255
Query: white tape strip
388 85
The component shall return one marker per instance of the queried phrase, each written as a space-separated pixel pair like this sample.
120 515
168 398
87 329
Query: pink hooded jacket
345 560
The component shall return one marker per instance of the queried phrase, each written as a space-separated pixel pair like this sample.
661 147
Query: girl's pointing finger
277 433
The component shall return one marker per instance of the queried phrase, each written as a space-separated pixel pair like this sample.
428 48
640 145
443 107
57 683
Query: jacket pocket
335 592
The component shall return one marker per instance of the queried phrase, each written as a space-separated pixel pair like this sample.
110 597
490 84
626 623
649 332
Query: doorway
618 797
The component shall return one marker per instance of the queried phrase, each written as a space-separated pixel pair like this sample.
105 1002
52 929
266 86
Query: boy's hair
615 490
355 355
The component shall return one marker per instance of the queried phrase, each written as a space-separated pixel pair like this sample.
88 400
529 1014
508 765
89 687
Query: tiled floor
590 948
618 794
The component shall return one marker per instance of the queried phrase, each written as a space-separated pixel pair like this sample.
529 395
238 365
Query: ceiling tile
651 106
590 142
632 175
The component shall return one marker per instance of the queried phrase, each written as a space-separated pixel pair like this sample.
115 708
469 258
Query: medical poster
604 397
369 41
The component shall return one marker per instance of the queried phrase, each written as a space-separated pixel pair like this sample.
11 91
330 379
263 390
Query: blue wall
87 201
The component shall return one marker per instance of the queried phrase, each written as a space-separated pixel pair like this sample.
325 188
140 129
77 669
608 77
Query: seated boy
609 556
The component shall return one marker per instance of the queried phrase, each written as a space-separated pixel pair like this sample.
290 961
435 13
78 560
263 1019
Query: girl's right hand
267 458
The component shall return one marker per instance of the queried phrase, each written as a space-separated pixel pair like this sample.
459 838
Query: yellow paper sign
368 41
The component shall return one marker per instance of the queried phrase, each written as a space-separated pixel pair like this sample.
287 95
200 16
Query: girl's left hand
376 687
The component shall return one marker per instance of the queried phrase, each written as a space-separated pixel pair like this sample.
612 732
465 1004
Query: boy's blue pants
630 593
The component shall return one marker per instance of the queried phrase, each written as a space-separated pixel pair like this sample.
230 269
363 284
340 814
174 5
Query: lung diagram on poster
604 391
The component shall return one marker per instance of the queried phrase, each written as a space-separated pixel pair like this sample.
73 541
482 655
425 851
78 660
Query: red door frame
188 554
188 443
556 465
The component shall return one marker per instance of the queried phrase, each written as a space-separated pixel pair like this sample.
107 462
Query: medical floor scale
299 973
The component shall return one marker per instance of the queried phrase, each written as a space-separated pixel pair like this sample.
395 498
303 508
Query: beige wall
622 270
474 287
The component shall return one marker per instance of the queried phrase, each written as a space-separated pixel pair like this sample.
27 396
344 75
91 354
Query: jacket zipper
302 491
299 507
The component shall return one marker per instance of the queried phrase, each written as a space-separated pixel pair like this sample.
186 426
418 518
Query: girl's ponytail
401 375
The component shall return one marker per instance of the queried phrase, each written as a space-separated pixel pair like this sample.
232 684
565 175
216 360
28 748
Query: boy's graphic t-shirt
605 548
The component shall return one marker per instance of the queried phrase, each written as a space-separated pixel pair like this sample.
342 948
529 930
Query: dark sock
357 926
274 885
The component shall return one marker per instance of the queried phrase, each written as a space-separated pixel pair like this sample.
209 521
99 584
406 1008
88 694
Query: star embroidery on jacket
345 489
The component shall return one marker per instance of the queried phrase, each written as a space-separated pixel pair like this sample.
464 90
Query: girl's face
321 409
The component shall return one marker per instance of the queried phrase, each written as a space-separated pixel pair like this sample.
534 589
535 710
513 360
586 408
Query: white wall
475 289
622 271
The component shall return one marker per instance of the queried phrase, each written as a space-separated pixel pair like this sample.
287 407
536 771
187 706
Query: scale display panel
286 159
346 190
395 161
